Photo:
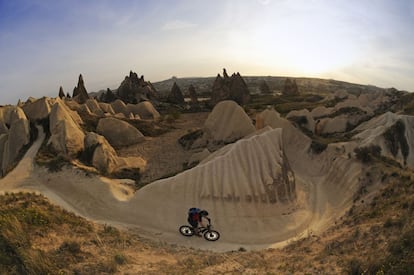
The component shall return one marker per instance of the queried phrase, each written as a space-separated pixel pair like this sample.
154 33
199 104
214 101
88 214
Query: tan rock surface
119 132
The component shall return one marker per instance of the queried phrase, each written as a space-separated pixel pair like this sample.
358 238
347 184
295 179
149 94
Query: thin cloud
177 25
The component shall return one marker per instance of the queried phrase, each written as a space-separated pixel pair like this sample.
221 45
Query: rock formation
94 107
119 107
61 93
393 133
106 108
18 136
175 96
144 110
105 158
230 88
119 132
15 135
39 109
225 124
134 89
79 92
66 135
290 87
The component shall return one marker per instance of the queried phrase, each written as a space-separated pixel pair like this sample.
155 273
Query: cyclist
196 218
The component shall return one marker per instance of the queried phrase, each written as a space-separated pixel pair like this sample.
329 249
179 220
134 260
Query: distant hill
203 85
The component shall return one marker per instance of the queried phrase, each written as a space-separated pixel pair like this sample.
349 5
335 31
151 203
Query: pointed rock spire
79 92
176 96
61 93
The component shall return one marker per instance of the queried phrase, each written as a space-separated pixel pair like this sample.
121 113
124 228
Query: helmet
203 213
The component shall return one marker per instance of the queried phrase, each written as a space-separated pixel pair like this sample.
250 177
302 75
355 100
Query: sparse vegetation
187 140
367 154
396 140
317 147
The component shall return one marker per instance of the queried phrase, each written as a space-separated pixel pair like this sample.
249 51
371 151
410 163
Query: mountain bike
207 232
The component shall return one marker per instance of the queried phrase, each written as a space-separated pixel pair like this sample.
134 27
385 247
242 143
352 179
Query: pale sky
45 44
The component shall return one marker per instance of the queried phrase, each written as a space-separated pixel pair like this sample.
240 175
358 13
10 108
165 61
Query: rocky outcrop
290 87
225 124
393 133
119 132
119 107
144 110
40 109
230 88
66 135
175 96
192 94
302 118
15 134
105 158
61 94
134 89
106 108
80 94
94 107
18 137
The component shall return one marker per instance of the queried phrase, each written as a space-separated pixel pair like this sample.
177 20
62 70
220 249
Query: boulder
107 108
104 155
146 110
105 158
119 132
66 135
227 123
119 107
94 107
40 109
